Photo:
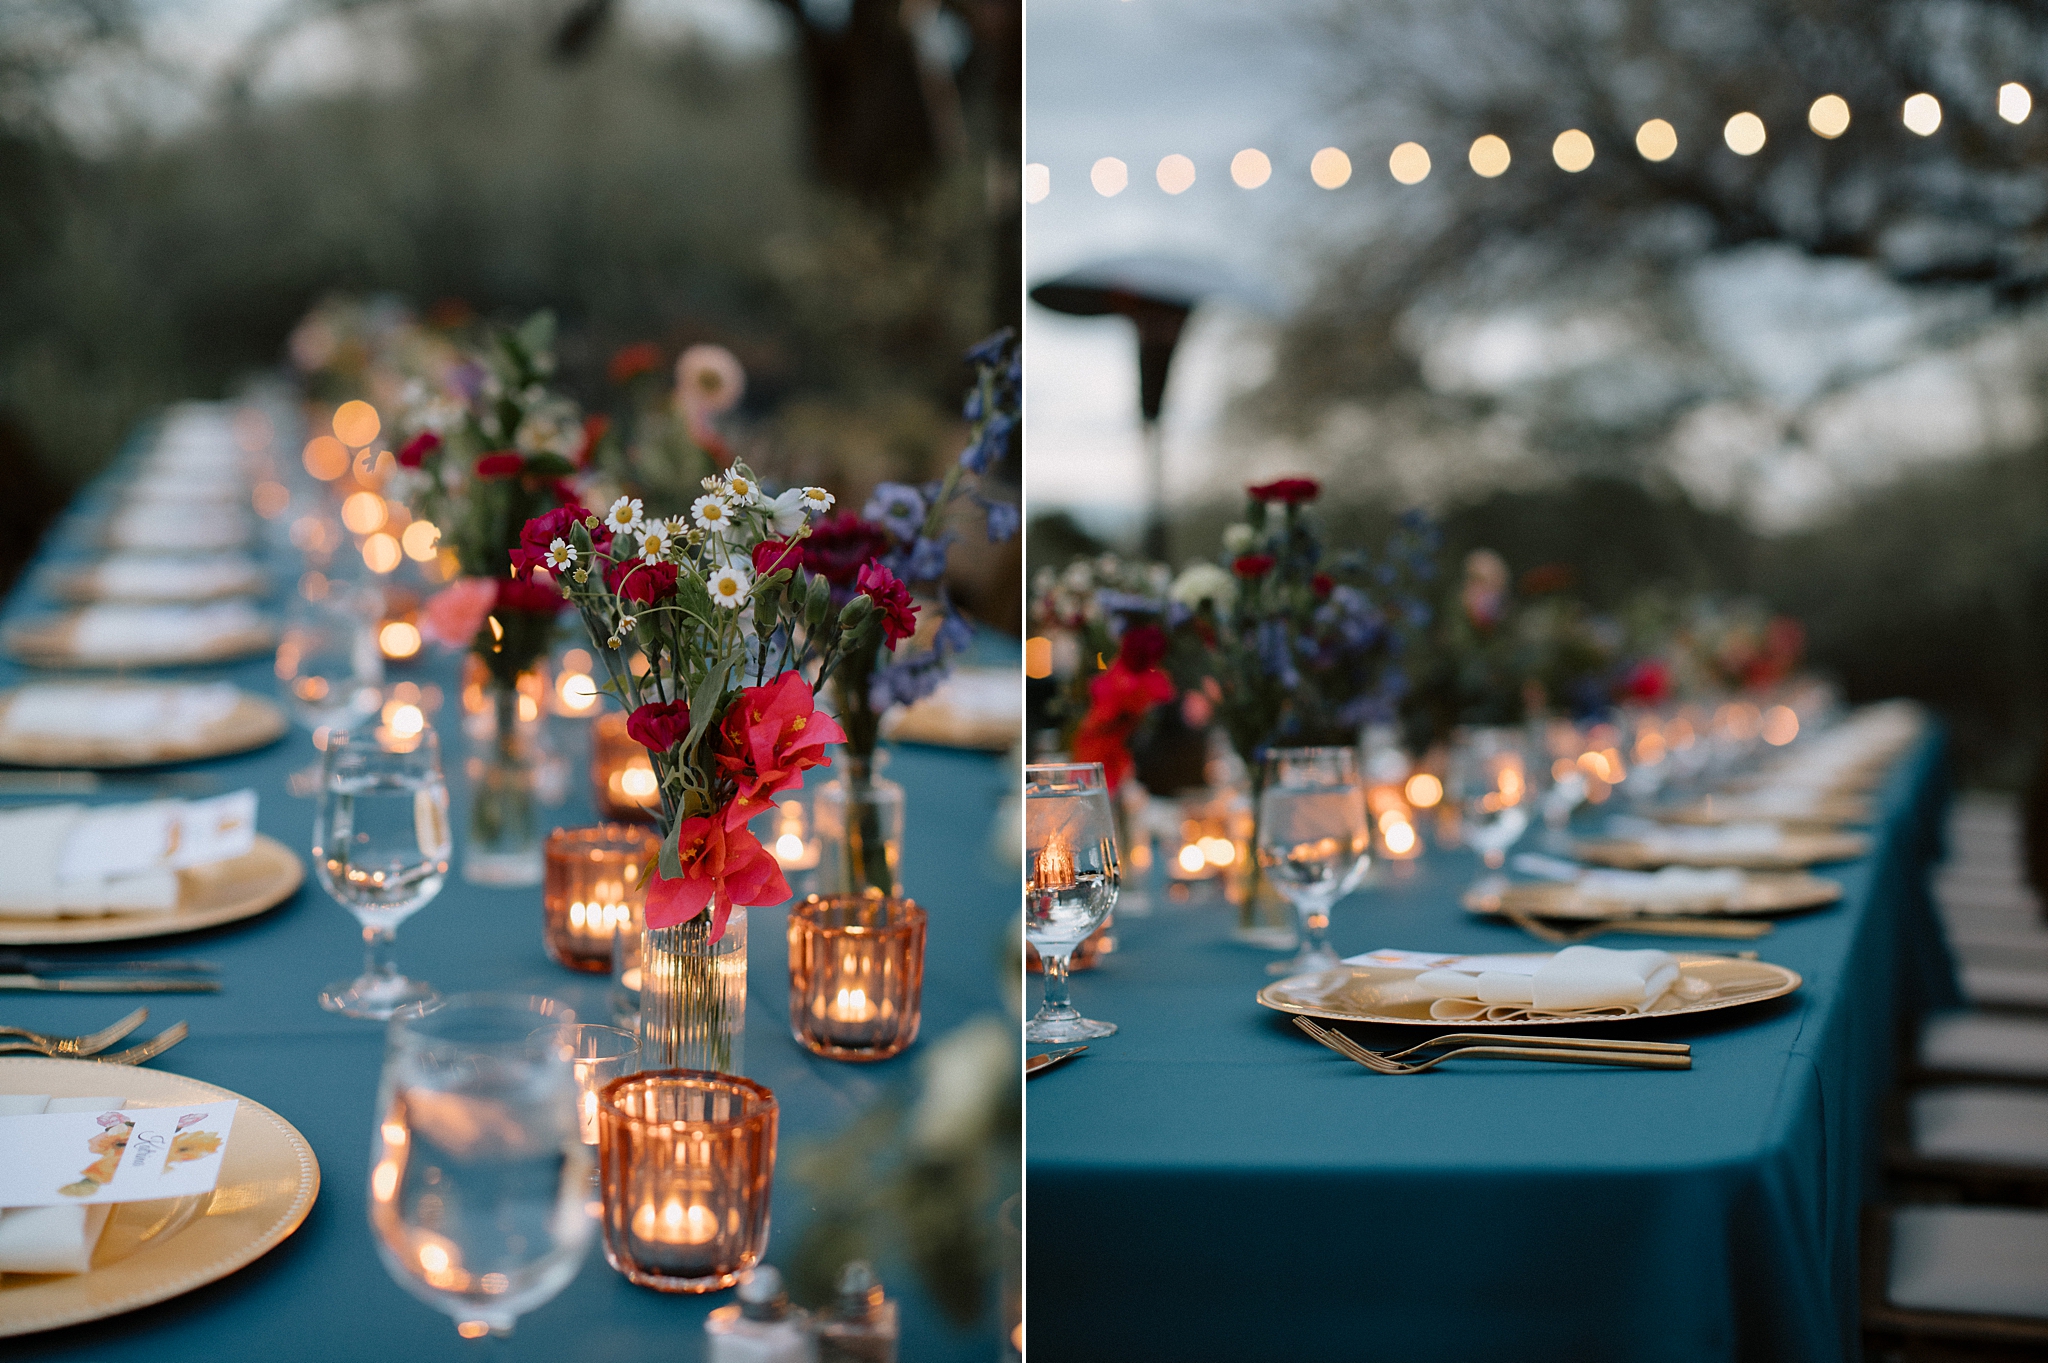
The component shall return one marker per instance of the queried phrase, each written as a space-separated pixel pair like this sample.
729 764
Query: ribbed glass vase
693 996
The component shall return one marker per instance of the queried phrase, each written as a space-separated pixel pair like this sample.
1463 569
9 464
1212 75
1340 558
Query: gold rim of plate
153 1251
208 896
1366 993
1795 850
47 643
80 586
1827 815
1763 893
253 723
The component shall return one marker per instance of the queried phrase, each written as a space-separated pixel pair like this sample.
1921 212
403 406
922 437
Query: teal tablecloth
1211 1184
322 1294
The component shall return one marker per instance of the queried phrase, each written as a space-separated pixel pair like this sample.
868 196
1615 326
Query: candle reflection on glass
856 975
687 1165
793 841
596 880
598 1055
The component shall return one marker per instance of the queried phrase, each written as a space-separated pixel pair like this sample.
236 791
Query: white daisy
625 517
561 556
816 500
730 587
656 541
712 512
740 489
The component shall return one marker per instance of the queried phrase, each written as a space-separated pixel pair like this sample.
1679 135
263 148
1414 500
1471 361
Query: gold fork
1378 1063
90 1044
148 1050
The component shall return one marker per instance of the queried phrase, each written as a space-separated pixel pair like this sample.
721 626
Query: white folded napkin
1728 840
51 1239
116 632
181 528
1674 889
80 861
175 577
181 712
1575 980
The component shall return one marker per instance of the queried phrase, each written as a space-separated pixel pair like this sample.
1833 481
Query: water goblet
1071 855
1489 778
480 1183
1314 843
380 846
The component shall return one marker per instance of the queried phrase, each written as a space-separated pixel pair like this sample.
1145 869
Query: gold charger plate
208 896
151 1251
1827 814
253 723
1794 850
83 587
47 643
1372 993
1764 892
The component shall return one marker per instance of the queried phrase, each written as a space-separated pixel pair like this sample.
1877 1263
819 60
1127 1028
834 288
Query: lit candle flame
1054 867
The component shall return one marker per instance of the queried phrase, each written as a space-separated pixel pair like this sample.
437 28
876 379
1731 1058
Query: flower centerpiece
714 634
899 542
488 448
1302 647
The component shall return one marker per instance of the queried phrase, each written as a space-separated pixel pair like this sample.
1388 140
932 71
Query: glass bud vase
693 995
860 829
504 817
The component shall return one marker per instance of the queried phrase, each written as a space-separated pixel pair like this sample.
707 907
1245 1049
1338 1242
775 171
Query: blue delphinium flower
899 507
1003 520
926 561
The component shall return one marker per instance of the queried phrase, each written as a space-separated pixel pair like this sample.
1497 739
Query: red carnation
892 599
629 362
840 545
1142 647
503 464
1292 491
1252 565
537 534
1118 700
523 594
415 451
1322 584
659 726
637 580
772 556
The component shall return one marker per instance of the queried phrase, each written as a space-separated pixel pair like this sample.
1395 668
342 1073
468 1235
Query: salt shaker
860 1327
762 1327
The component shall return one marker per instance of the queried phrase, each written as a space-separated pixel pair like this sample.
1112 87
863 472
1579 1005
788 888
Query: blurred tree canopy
515 154
1604 261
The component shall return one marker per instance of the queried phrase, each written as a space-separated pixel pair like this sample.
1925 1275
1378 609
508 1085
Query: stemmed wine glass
1070 850
1489 778
1315 841
479 1177
380 847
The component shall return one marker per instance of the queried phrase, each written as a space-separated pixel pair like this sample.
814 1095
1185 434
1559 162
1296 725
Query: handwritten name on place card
62 1159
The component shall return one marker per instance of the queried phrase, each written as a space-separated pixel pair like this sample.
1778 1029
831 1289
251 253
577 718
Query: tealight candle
621 773
856 975
595 881
598 1055
793 844
686 1162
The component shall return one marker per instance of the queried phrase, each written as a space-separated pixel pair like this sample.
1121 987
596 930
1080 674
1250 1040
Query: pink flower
709 381
723 865
892 599
453 615
770 736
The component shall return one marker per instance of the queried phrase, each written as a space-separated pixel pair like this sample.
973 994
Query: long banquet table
322 1294
1210 1184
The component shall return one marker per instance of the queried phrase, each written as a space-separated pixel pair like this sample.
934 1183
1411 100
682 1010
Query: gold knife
1037 1064
106 984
